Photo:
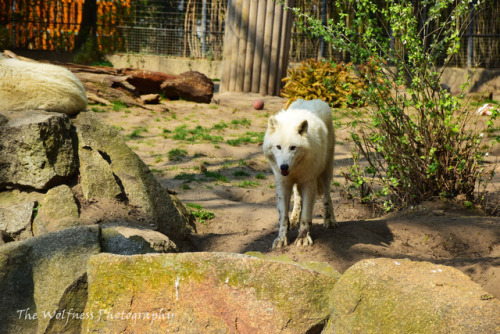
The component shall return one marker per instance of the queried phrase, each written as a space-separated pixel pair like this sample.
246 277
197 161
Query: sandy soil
235 183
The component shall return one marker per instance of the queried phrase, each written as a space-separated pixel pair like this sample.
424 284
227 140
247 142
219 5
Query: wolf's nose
284 167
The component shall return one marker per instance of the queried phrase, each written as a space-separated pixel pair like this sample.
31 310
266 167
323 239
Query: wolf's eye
278 147
292 148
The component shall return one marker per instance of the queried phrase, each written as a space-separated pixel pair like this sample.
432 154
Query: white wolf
299 144
30 85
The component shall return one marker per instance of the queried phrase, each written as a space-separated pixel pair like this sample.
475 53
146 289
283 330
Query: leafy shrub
416 141
333 83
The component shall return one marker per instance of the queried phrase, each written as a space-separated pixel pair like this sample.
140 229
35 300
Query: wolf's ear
303 128
272 124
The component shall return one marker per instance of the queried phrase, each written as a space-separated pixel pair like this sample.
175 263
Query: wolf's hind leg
297 207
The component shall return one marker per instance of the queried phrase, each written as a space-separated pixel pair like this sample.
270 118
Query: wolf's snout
284 169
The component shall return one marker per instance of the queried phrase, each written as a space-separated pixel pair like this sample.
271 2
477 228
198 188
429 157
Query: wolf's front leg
308 194
283 193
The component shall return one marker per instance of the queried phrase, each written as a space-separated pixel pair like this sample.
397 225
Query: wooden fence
54 24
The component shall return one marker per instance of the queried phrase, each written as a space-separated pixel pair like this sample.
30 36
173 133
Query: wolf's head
285 144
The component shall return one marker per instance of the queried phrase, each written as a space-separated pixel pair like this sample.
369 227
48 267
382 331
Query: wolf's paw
331 223
304 240
280 243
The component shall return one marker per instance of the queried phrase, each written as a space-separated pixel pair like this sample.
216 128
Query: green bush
415 141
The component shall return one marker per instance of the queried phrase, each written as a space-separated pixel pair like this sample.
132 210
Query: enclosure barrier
256 42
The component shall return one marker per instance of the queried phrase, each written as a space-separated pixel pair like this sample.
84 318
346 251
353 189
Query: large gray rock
138 184
402 296
97 178
38 277
15 220
125 240
58 210
204 293
36 150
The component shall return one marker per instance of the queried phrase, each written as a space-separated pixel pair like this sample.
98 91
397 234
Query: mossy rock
206 293
404 296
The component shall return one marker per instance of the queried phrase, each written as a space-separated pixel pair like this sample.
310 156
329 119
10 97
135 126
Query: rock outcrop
36 276
205 293
36 150
66 166
403 296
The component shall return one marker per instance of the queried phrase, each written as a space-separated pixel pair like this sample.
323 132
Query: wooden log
249 58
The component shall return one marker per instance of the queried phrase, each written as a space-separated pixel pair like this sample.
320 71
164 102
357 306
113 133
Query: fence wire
195 29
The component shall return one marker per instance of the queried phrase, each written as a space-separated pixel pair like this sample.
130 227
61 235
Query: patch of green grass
240 173
201 214
95 109
119 128
243 122
185 186
118 105
136 133
260 176
216 176
197 134
158 158
249 137
176 154
248 184
186 177
220 126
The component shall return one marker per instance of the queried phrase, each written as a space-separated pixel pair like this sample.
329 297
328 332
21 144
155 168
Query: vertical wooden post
275 48
256 46
249 59
266 54
259 45
227 52
234 45
242 47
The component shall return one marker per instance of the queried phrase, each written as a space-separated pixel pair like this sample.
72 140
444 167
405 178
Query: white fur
299 144
30 85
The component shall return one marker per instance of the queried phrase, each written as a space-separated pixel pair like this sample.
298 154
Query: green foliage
333 83
201 214
118 105
136 133
415 141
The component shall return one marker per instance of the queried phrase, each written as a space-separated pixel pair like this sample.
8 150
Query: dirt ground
185 145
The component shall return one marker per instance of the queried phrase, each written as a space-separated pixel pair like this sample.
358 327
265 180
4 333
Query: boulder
190 86
36 150
150 98
404 296
15 221
138 184
58 210
40 275
204 293
126 240
96 176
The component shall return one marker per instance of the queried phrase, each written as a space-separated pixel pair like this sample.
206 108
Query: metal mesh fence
185 28
195 28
